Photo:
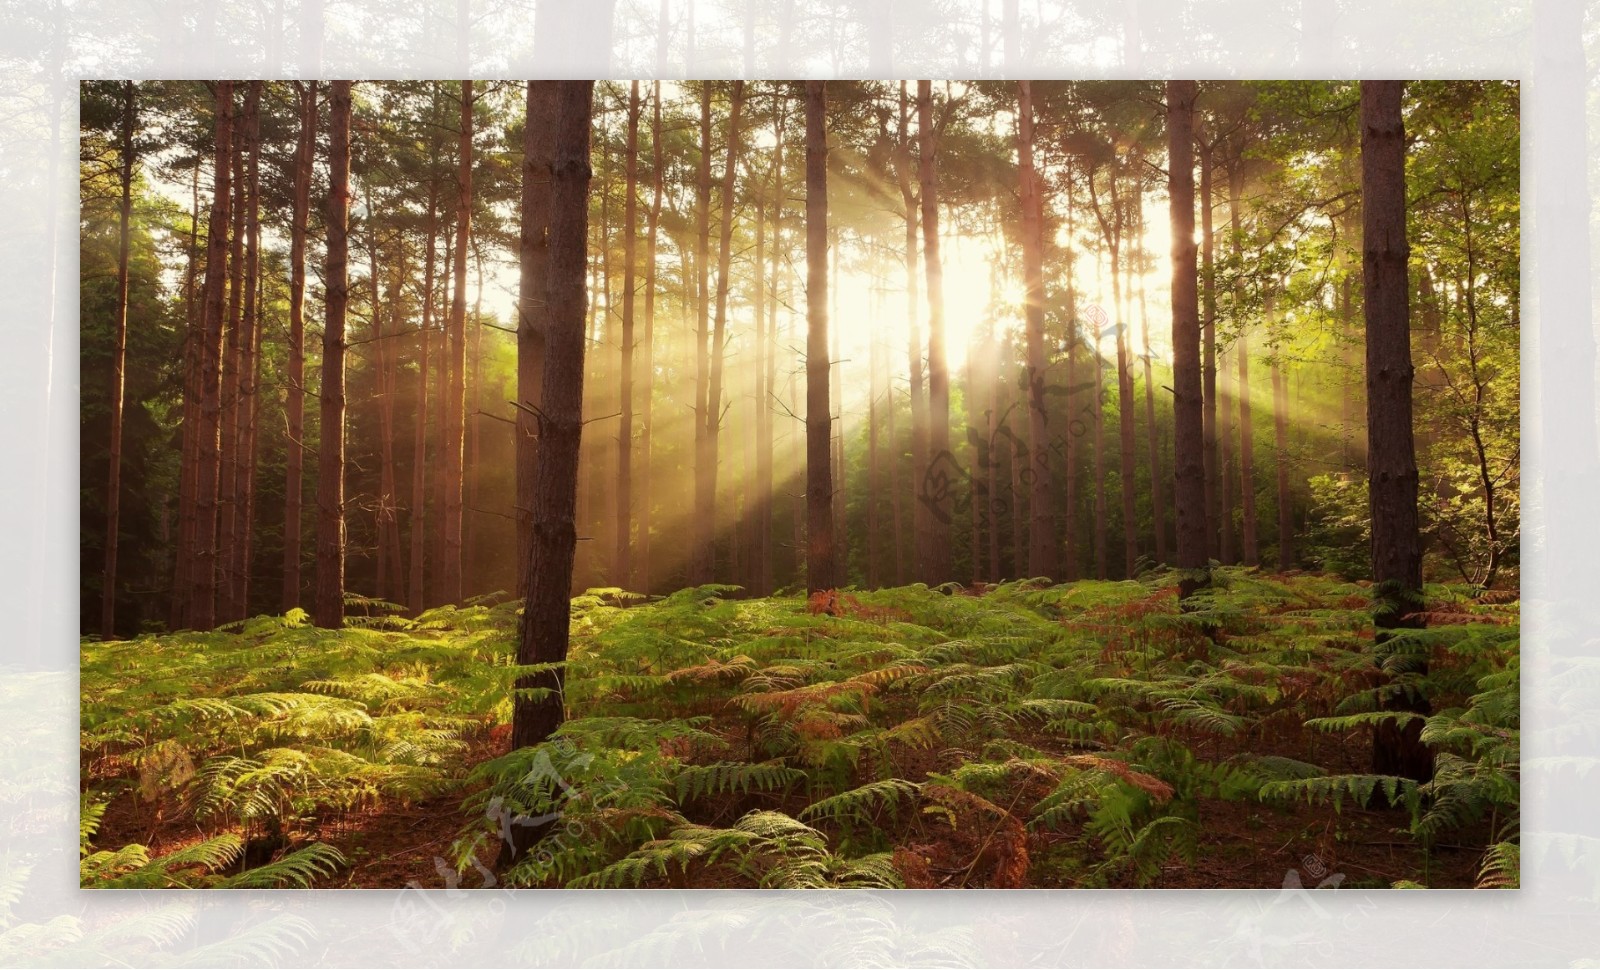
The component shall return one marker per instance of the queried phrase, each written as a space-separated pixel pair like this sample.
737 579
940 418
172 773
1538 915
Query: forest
800 484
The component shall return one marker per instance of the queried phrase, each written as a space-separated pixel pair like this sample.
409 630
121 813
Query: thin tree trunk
249 361
646 424
294 408
706 466
1069 531
203 550
764 458
470 571
456 346
329 611
701 553
1214 462
1125 442
841 522
189 456
232 363
419 445
1249 551
936 567
759 479
920 517
1397 749
1188 423
820 571
1280 423
543 633
108 581
624 564
874 472
1041 504
1158 508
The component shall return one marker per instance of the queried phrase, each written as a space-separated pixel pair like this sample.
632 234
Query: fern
863 803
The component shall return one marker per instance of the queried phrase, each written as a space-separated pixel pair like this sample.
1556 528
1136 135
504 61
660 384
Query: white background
47 45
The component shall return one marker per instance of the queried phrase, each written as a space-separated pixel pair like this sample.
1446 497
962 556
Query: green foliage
714 741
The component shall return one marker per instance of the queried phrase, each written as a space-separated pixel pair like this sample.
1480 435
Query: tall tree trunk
1019 463
1188 425
1397 748
249 362
702 553
936 568
841 522
108 580
1074 429
441 393
760 480
764 456
419 445
646 425
450 578
1280 426
470 570
294 408
391 573
1249 551
1099 442
329 612
820 571
1125 441
232 363
1041 504
874 471
1158 507
203 551
624 564
544 631
706 464
538 160
189 456
920 517
1214 463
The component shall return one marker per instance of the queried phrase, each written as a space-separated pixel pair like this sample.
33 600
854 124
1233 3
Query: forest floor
1083 735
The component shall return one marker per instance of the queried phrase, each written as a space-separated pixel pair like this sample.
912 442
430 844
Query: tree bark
1280 427
1041 504
294 408
1188 425
419 444
1069 530
203 550
1391 452
920 518
624 563
544 631
189 456
935 488
1249 549
450 578
701 553
249 362
329 612
108 581
232 363
706 465
538 160
1214 462
1158 507
647 424
820 572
